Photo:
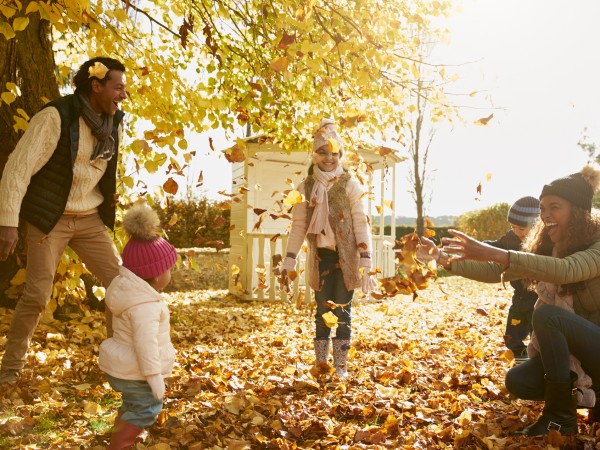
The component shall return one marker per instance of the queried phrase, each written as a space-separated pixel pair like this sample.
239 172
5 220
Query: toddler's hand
157 384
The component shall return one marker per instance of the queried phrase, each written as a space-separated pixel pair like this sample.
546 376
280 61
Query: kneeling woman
564 250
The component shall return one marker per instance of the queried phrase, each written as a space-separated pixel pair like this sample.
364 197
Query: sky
537 65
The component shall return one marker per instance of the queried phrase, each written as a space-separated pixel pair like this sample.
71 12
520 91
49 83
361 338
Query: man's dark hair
82 79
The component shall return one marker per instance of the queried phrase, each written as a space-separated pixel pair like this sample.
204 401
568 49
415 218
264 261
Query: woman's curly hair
582 231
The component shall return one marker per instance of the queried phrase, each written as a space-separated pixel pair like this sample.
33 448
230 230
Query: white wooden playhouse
263 176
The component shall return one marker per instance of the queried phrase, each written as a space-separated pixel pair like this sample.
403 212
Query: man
61 180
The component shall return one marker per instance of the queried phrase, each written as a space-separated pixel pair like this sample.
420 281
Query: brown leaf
484 120
235 154
286 40
170 186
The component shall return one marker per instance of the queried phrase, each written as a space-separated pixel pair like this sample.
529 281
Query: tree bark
26 60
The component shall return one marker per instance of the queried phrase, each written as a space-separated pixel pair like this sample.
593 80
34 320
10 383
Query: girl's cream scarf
318 198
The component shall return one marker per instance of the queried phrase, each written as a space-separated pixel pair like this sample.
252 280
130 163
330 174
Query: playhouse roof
263 148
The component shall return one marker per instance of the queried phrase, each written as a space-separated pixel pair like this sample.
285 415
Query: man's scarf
101 126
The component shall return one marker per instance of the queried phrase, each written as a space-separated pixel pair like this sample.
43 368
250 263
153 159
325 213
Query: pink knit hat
146 254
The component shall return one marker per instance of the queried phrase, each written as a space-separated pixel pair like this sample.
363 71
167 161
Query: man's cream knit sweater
33 151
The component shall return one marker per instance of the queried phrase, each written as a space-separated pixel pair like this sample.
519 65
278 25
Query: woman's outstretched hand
463 247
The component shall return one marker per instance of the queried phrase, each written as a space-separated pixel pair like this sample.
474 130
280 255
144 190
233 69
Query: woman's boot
340 356
124 435
560 410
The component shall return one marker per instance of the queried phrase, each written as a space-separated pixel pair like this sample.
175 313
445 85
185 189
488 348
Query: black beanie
573 188
524 212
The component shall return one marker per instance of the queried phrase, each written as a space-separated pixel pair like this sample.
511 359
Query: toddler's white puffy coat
141 342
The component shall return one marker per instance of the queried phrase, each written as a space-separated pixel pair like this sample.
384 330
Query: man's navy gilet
48 192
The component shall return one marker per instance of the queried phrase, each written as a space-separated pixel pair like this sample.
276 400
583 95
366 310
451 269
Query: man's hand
8 241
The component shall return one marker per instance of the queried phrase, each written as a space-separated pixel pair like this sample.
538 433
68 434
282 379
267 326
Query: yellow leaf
292 198
389 204
7 30
174 219
12 87
92 408
99 292
23 114
235 270
120 15
8 97
20 124
7 11
352 118
127 181
415 71
279 64
20 23
330 319
334 145
488 177
515 322
416 18
31 8
98 70
19 278
465 418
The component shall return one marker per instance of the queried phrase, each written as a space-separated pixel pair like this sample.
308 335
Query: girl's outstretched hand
288 267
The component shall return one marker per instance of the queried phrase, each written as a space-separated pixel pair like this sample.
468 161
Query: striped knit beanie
524 212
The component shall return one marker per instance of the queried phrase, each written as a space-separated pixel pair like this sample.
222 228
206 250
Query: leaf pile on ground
424 374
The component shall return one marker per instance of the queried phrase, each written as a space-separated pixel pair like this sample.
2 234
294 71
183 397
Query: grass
100 425
47 422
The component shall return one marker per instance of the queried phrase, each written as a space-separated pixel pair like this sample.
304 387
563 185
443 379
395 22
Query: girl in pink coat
139 355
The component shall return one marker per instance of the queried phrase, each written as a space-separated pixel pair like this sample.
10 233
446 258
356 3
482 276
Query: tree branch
129 4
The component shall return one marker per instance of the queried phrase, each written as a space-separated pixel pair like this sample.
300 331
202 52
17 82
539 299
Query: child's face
162 281
325 159
521 232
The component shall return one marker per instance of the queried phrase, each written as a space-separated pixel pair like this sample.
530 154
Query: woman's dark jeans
334 290
559 333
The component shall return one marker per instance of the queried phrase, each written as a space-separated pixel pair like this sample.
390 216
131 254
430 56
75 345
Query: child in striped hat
521 216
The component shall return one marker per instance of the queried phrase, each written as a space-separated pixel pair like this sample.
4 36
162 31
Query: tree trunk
26 60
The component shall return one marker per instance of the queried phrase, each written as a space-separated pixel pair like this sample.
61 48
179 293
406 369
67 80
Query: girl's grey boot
340 356
321 351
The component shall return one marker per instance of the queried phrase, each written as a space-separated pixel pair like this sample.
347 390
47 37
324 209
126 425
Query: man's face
105 98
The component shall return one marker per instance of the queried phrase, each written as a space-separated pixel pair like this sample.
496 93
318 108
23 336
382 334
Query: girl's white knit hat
327 130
